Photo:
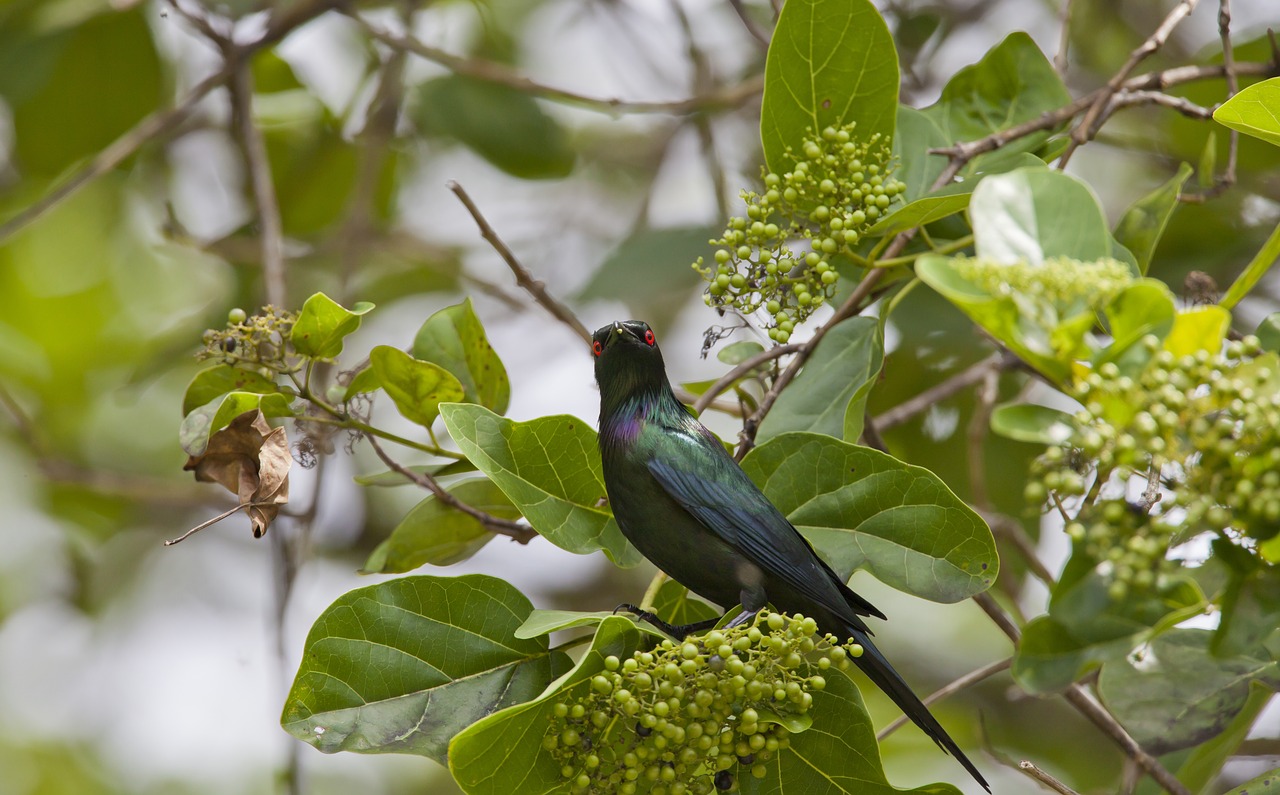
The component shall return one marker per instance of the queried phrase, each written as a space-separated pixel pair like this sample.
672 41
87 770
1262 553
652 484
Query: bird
687 506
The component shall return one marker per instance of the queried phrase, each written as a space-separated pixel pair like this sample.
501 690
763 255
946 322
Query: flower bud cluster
692 716
1060 281
780 257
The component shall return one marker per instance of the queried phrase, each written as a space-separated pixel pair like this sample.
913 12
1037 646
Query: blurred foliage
103 299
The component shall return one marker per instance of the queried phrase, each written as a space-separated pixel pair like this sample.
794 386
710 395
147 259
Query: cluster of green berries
690 717
1067 285
779 258
1202 429
259 340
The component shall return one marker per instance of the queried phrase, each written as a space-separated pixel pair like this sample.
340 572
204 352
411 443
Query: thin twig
1095 115
522 533
217 519
979 423
1228 177
160 122
974 374
758 33
968 680
1044 778
264 192
1186 107
1064 39
535 288
501 74
743 368
1009 528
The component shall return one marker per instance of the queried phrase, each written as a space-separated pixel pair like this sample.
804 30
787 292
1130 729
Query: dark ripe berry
724 780
229 345
642 730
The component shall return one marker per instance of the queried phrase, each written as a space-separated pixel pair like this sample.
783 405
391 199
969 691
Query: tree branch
743 368
1044 778
522 533
968 680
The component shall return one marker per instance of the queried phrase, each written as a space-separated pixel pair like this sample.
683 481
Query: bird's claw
677 631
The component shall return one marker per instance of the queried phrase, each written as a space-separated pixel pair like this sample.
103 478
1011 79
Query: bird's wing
711 486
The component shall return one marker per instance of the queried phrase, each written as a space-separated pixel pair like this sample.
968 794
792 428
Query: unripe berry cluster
779 258
689 717
1205 427
1058 281
258 340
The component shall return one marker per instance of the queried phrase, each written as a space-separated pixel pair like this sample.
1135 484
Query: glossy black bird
690 509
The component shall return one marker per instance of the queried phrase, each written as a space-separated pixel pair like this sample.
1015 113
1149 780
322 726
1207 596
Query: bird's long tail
878 670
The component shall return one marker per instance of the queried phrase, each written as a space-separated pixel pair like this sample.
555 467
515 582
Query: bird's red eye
648 336
597 348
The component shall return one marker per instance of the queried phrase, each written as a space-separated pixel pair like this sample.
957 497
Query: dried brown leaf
251 460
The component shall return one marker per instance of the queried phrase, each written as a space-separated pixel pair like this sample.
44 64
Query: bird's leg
677 631
741 618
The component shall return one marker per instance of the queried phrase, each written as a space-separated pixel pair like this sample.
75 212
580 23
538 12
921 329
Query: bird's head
628 360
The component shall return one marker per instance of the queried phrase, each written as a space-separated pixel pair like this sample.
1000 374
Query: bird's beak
617 327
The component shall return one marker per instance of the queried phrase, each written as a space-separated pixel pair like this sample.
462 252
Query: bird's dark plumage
688 507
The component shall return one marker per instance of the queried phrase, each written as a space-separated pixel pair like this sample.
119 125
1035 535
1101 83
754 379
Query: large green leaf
502 754
402 666
1211 690
916 135
830 394
1026 422
1254 111
1266 784
1088 626
439 534
837 754
675 605
219 380
323 323
454 339
1033 214
924 210
502 124
1012 83
1203 764
1144 222
864 509
418 388
550 469
830 62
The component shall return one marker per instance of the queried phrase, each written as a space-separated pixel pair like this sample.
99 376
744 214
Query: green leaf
365 381
544 622
1255 111
1144 222
454 339
402 666
1211 690
439 534
833 385
1033 214
218 413
1144 307
829 64
221 379
550 469
916 135
924 210
1204 763
1268 332
1199 328
675 605
502 124
392 478
1087 627
1208 161
737 353
322 324
418 388
1257 267
1024 422
1266 784
502 753
1013 83
861 508
837 754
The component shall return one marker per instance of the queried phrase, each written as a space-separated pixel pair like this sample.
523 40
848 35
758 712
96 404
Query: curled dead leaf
251 460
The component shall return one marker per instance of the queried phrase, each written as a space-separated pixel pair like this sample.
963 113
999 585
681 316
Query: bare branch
1093 118
1186 107
1064 39
758 33
264 192
522 533
968 680
1045 779
493 72
1228 177
535 288
743 368
939 392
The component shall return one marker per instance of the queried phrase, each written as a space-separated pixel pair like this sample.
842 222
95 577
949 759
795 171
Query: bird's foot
677 631
741 618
